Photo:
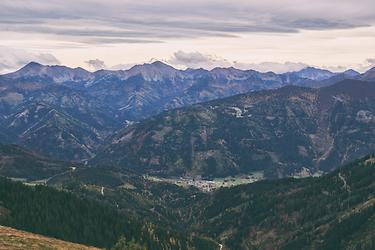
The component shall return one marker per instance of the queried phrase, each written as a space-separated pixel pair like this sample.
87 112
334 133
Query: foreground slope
84 220
284 132
12 239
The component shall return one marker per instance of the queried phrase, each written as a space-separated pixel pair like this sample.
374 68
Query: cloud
13 59
371 61
96 64
272 66
196 59
368 64
128 21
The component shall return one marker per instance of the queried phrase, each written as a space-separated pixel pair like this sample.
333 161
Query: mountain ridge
278 131
104 101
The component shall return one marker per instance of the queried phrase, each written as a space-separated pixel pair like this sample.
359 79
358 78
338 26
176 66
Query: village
210 184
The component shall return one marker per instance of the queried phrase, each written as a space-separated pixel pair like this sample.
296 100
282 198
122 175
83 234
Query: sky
267 35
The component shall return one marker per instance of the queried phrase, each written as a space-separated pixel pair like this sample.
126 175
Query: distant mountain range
72 110
291 131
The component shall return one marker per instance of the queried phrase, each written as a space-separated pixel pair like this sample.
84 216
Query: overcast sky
278 35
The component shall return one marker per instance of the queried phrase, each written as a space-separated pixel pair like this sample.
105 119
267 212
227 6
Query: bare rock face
281 132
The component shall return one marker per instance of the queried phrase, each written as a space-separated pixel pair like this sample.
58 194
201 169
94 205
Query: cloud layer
125 21
238 33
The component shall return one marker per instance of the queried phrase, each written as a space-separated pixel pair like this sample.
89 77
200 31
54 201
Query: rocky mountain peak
351 73
313 73
156 71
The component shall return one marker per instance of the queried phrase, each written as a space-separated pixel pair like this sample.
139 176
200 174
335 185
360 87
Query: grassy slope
12 239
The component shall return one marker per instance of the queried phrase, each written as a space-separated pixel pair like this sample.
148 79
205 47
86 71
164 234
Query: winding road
346 186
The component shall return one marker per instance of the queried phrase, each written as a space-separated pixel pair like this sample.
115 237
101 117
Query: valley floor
208 185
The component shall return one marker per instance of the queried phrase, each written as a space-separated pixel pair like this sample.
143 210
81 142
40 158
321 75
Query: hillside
12 239
83 219
17 162
336 211
291 131
369 75
71 123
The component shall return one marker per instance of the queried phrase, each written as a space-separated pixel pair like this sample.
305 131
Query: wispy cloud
196 59
12 59
320 32
371 62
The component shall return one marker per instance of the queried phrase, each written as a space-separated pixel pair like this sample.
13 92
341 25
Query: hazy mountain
52 132
147 89
54 74
156 71
369 75
140 92
313 74
104 101
289 131
71 123
348 74
224 82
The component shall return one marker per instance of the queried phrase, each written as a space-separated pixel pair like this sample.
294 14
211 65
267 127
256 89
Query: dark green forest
60 214
335 211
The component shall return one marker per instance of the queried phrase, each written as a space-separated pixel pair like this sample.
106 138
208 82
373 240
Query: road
346 186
